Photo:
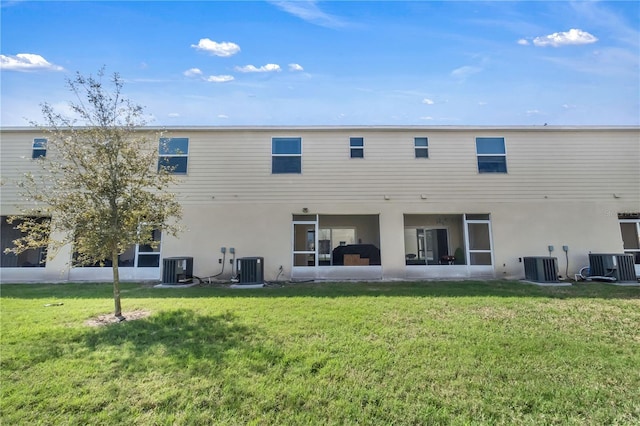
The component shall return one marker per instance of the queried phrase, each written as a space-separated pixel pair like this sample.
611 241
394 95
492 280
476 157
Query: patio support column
392 244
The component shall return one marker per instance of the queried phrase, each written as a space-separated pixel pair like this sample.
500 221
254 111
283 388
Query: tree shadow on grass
170 340
167 360
178 340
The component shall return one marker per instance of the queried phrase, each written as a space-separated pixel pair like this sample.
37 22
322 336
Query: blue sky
332 62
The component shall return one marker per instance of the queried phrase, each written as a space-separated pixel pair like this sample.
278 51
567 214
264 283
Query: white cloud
428 118
27 62
618 26
223 49
219 78
264 68
465 71
173 114
295 67
223 116
612 62
192 72
310 12
566 38
523 42
427 101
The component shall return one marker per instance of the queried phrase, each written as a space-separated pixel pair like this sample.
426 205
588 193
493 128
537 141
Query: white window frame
295 252
421 148
468 250
273 154
356 148
637 223
478 155
39 144
157 252
185 155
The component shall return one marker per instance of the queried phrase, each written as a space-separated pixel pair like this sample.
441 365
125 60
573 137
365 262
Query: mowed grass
332 353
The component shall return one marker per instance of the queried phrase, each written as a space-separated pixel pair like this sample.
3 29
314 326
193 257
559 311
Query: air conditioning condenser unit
618 266
177 270
250 270
541 269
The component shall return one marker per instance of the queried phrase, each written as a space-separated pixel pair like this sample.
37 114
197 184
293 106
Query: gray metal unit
250 270
176 270
615 265
541 269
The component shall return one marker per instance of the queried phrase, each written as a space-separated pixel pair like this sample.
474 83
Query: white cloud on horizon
427 101
219 78
27 62
566 38
295 67
264 68
223 49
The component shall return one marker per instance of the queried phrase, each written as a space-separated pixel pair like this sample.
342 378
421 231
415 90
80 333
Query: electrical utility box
615 265
177 270
541 269
250 270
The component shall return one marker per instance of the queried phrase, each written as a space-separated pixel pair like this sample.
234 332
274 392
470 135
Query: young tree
99 183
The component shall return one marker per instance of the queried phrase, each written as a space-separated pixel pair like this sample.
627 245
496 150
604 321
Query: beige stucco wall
519 229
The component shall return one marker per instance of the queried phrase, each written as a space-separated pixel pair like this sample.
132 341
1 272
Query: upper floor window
173 155
286 155
357 147
421 147
492 156
39 148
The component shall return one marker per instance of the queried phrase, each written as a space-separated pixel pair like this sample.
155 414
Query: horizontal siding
234 165
15 160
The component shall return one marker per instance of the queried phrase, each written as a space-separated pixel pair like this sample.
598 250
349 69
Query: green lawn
332 353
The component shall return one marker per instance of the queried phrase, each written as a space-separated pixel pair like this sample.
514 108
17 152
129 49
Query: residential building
373 202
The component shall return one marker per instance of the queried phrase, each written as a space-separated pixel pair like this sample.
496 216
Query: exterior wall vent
541 269
177 270
618 266
250 270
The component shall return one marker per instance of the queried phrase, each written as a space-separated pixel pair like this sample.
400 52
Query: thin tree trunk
116 285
